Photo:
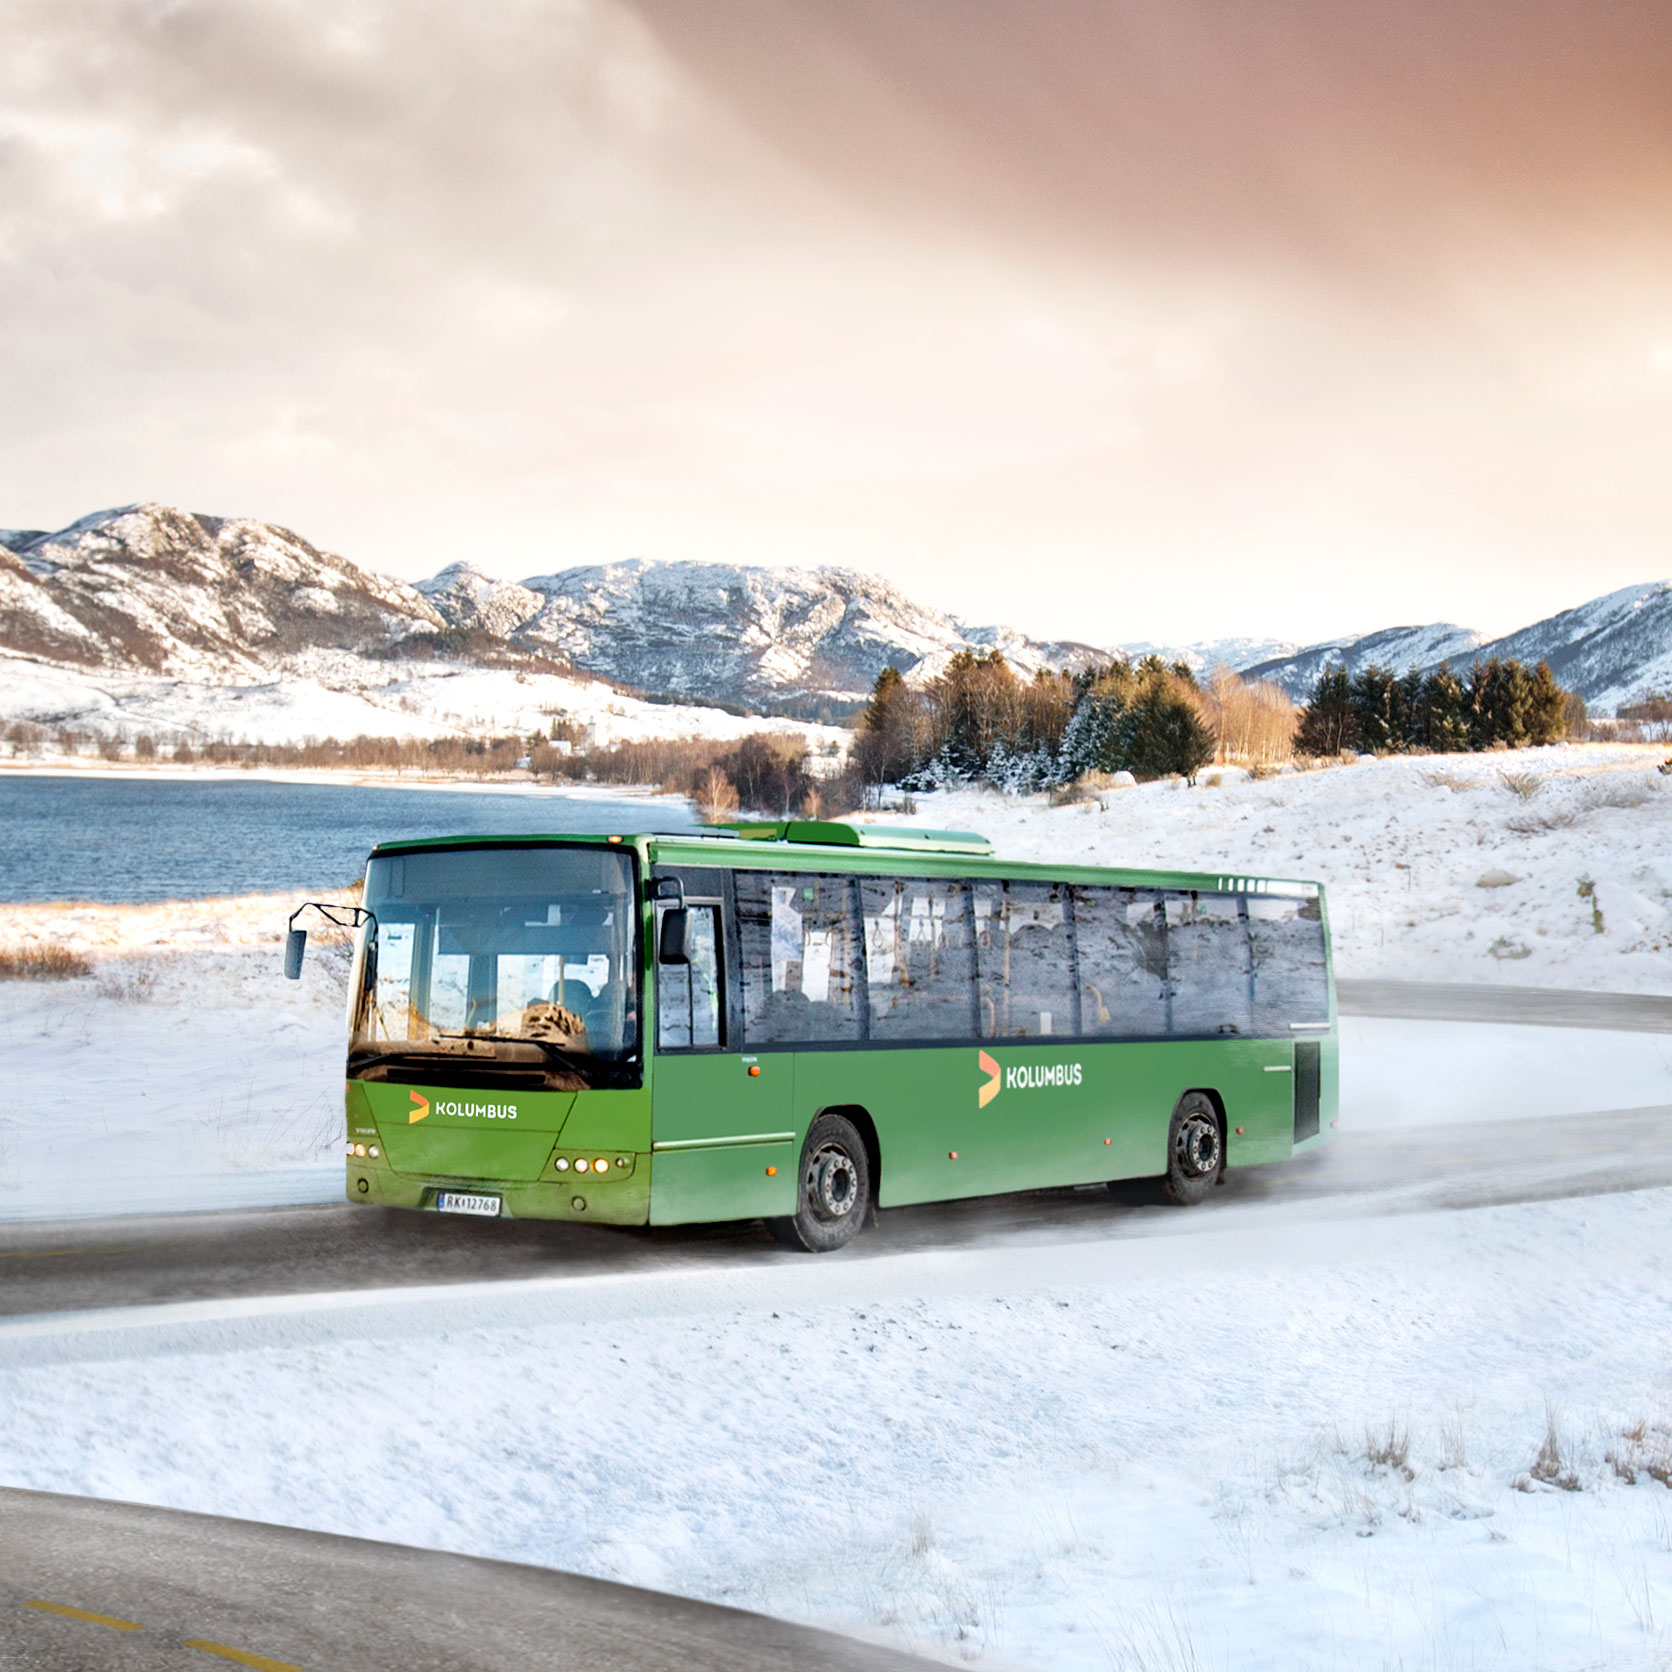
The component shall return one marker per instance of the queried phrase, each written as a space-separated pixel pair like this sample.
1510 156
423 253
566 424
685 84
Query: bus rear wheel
833 1189
1195 1151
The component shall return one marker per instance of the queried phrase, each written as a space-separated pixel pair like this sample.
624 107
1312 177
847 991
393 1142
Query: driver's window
688 995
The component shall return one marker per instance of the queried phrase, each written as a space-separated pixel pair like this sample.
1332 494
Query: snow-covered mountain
148 587
727 632
150 590
1204 655
1614 650
1393 647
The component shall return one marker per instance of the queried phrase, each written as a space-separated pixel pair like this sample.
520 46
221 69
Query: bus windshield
513 966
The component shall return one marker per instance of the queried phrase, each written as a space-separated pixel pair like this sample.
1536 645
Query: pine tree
1377 710
1328 725
1550 707
1413 709
891 736
1161 732
1445 712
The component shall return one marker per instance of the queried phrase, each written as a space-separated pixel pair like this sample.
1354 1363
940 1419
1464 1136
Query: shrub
716 795
42 963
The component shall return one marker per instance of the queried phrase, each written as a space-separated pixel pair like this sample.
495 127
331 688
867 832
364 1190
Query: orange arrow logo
995 1080
421 1107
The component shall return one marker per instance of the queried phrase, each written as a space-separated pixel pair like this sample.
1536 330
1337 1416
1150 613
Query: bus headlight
562 1164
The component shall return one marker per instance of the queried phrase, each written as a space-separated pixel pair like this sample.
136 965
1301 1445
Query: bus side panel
1255 1081
1038 1126
1078 1113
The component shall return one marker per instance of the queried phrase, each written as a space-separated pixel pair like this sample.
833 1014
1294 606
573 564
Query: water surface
132 839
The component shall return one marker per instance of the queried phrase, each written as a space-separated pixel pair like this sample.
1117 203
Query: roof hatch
829 834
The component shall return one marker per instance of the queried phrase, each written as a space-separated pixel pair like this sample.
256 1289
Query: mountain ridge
187 595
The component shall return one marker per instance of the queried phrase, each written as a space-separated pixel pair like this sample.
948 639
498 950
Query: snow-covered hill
149 587
1204 655
1615 649
1392 647
727 632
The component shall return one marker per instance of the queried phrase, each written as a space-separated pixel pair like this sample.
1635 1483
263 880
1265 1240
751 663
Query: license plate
451 1201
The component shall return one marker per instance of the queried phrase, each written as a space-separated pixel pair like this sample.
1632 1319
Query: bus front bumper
620 1196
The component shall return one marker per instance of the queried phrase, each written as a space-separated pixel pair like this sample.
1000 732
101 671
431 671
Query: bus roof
809 844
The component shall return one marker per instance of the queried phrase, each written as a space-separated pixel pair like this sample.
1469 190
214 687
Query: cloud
1340 310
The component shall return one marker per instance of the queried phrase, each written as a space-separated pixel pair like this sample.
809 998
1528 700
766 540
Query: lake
132 839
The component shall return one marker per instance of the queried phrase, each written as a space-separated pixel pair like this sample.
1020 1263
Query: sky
1107 319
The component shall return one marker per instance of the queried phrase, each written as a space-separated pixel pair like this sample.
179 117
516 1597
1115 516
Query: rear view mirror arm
296 940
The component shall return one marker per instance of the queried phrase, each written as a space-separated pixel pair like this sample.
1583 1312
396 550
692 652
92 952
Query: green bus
804 1021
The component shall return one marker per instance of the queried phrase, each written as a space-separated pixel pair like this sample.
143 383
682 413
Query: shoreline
347 777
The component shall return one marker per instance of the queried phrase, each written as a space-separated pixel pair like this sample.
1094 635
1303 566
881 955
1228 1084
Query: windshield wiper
555 1053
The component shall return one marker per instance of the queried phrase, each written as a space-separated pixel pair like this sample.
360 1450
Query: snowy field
1254 1439
332 693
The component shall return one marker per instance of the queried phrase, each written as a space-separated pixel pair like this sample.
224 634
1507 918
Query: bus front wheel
1195 1151
834 1189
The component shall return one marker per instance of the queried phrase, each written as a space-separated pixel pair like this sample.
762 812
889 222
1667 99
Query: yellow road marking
261 1662
82 1614
58 1253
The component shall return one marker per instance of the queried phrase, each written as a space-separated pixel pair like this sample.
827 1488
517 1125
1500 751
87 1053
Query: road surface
1538 1007
77 1264
86 1583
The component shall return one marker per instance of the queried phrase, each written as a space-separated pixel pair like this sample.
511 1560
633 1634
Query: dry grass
42 963
1643 1449
1523 785
1390 1448
1552 1466
1449 781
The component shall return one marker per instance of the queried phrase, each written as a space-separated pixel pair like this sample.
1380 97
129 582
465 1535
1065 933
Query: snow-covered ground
1248 1440
186 1073
331 693
1437 869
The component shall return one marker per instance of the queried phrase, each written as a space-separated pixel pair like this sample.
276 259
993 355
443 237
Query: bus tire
834 1189
1195 1151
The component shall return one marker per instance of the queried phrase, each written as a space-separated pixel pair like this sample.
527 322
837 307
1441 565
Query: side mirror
295 944
674 944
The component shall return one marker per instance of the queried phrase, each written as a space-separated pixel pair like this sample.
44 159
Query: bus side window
1207 963
1122 952
1286 946
919 960
799 955
688 995
1024 962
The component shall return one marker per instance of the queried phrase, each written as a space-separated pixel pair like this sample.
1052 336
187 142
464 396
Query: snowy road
1544 1007
81 1264
129 1588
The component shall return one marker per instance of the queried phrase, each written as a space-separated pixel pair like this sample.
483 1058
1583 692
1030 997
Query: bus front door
722 1140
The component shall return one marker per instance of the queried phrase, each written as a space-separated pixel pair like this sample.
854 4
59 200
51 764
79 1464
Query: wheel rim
832 1182
1197 1148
